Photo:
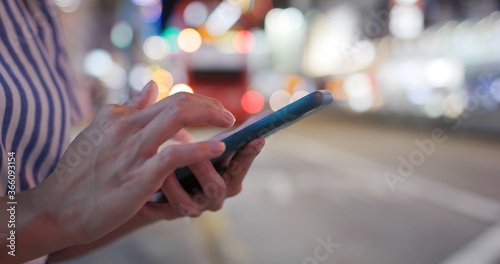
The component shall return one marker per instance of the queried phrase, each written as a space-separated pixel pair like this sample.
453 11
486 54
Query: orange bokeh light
189 40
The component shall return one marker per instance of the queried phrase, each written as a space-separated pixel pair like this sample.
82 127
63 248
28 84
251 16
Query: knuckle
200 202
202 151
186 210
182 96
104 111
171 153
216 103
246 151
213 190
120 125
216 207
214 111
109 113
110 109
234 168
175 111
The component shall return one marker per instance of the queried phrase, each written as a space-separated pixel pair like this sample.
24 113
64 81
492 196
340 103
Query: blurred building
432 60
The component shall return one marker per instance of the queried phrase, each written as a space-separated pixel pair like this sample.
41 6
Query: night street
318 193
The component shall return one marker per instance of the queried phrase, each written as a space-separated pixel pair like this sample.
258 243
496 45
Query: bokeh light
97 63
144 2
439 72
163 79
279 99
418 95
435 107
195 14
252 102
406 22
243 4
68 6
299 94
225 43
359 90
116 78
288 20
121 34
222 18
181 87
335 86
171 34
150 13
139 76
495 89
454 106
189 40
406 2
326 50
364 53
156 47
244 42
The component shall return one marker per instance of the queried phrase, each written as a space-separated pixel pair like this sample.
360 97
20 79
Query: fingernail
229 117
216 147
258 142
147 87
260 145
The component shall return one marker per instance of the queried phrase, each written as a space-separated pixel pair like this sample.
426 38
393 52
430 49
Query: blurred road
332 190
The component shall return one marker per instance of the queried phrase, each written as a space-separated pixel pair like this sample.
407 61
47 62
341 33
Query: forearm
75 251
31 230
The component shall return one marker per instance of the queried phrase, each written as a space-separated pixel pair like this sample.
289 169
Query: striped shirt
37 104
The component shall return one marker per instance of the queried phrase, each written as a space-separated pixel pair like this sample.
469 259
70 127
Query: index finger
146 115
166 124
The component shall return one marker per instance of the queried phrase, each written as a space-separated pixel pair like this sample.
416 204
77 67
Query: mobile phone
261 128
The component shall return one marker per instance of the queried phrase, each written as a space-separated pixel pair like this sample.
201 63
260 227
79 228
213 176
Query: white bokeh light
406 22
181 87
156 48
139 76
279 99
195 14
358 88
97 63
364 53
439 72
222 18
116 78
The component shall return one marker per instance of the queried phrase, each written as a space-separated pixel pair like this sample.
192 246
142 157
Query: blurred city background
403 167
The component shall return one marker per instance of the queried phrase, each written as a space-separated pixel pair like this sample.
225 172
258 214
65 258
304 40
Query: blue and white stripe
37 104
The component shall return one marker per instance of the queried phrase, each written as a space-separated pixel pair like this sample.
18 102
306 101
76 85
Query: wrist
60 216
34 227
41 214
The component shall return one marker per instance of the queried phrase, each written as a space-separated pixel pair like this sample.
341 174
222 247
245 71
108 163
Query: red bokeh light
252 102
244 41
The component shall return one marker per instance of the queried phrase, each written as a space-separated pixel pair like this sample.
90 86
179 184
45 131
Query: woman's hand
214 192
112 168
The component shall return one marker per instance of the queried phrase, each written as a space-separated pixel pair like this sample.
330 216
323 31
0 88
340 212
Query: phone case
261 128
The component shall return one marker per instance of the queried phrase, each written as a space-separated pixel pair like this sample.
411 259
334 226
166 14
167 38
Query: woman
68 200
